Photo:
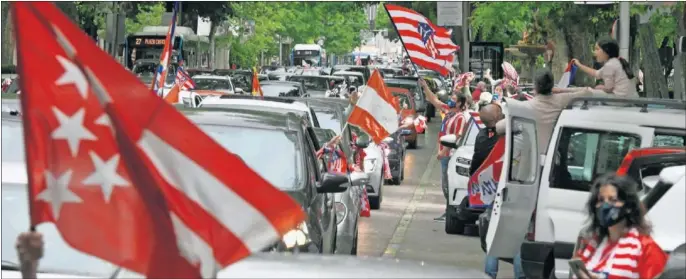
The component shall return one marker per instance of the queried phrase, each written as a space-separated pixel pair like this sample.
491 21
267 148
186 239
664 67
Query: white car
258 103
208 85
373 167
458 213
539 204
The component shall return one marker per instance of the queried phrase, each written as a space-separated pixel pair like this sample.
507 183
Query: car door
324 205
590 149
517 188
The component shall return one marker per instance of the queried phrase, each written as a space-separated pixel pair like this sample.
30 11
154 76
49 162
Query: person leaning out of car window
617 243
616 73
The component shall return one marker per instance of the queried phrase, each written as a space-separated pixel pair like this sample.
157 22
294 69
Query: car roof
347 73
316 77
243 117
281 82
640 111
211 77
255 101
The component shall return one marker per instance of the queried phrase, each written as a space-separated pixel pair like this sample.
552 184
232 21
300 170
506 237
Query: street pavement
404 227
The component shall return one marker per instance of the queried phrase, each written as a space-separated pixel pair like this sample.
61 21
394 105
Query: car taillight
531 234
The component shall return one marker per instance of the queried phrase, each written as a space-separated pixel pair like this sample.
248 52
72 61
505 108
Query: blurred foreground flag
104 158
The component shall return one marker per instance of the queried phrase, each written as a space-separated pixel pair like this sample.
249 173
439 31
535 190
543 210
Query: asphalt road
404 227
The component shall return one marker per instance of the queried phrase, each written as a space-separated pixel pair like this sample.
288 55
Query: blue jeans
444 176
491 266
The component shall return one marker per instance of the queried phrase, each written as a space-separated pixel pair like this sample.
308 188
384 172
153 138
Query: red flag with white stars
103 163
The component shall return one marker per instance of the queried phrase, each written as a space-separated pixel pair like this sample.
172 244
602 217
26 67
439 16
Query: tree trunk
213 29
578 40
655 84
7 50
680 59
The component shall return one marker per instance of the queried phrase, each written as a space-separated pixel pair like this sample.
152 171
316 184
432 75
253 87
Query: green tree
216 12
149 15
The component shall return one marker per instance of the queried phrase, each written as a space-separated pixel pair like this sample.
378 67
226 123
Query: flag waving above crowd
429 46
117 182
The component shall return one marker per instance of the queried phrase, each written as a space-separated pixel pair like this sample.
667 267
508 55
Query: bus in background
148 44
310 54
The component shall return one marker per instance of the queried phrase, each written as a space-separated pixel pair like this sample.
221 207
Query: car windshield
277 90
315 84
274 154
145 72
212 84
473 131
328 119
12 141
352 80
412 87
242 80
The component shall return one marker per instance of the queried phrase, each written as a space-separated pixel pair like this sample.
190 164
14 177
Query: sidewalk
425 239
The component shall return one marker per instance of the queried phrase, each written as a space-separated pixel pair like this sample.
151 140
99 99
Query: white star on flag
57 192
72 75
105 175
71 129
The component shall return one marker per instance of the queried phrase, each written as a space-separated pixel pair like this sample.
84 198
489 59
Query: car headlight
464 161
369 165
341 212
297 236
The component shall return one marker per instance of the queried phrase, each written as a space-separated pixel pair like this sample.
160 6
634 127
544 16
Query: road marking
406 219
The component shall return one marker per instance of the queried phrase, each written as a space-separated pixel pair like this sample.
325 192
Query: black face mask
609 215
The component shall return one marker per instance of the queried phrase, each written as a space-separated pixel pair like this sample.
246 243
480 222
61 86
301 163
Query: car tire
412 144
375 202
453 225
353 251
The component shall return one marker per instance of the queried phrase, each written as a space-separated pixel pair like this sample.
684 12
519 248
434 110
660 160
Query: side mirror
360 143
405 132
333 183
388 140
359 178
239 90
449 141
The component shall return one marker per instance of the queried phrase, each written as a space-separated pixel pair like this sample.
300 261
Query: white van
542 197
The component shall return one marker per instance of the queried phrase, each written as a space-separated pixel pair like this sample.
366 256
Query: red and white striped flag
184 80
376 112
428 45
102 156
477 119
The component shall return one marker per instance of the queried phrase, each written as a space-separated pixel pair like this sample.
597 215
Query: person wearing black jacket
487 137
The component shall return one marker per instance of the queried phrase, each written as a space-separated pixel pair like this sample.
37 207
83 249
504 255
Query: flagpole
401 39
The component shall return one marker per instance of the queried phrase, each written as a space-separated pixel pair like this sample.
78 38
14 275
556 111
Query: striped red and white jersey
633 256
453 124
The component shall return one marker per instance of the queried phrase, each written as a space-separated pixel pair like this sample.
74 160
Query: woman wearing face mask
616 73
453 124
618 242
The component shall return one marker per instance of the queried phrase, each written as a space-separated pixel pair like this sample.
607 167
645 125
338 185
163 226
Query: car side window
662 140
314 118
588 154
523 155
312 159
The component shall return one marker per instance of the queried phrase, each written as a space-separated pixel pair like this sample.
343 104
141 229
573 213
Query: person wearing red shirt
480 87
453 124
617 243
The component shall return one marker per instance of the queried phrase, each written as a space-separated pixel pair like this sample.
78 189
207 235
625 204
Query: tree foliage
150 15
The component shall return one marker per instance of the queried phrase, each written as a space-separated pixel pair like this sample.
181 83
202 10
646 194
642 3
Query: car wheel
453 225
412 144
354 249
375 202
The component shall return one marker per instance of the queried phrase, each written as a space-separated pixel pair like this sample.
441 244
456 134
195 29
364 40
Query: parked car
390 72
283 89
458 214
280 76
373 166
365 70
317 86
411 84
352 78
273 104
242 79
396 155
